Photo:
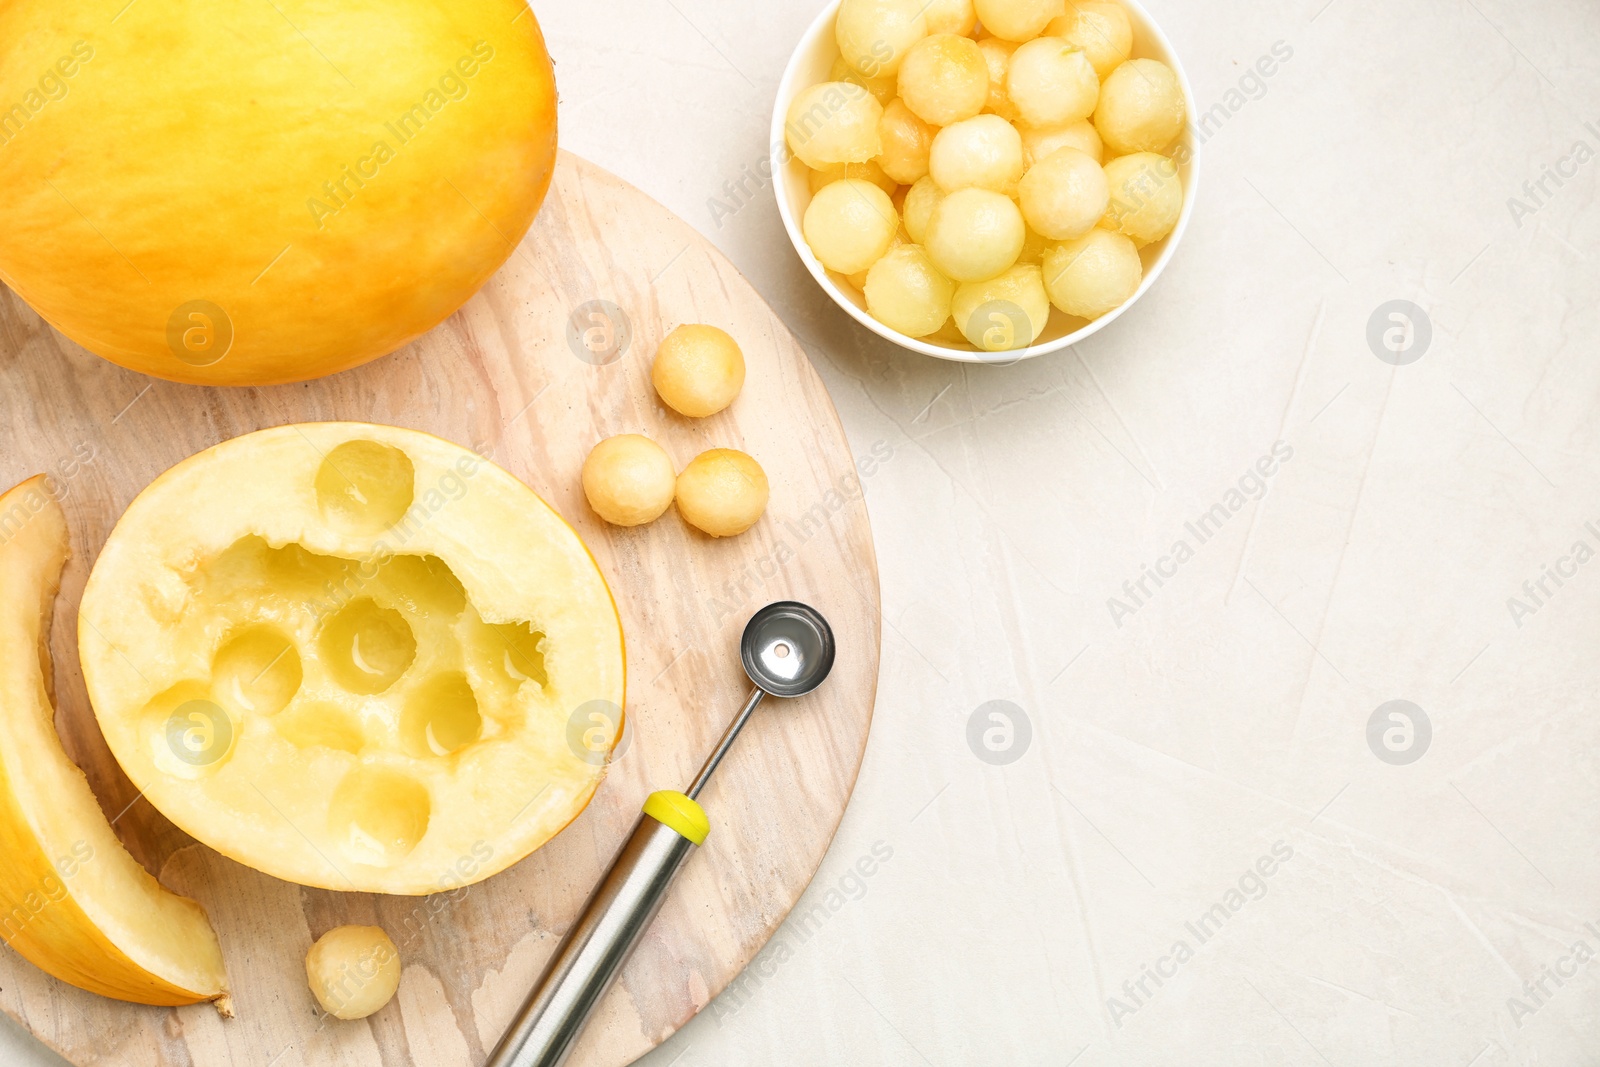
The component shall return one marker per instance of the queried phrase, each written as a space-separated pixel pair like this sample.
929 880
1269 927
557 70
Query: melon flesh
74 902
354 657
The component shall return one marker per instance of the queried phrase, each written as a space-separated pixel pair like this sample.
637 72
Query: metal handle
594 950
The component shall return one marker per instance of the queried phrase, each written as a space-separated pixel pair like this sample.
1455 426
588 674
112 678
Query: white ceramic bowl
811 64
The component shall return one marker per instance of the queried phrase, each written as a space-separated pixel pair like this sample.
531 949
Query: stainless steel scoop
787 651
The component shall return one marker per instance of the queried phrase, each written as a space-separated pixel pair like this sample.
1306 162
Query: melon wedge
72 901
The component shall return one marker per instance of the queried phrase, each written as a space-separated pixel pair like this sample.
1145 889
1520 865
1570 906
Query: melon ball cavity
1040 141
1146 196
881 88
1101 28
353 971
997 57
1092 275
906 292
1004 313
875 35
983 152
951 16
833 122
698 370
906 142
722 492
849 225
944 79
1141 107
1052 82
920 201
975 234
1017 20
628 480
1064 195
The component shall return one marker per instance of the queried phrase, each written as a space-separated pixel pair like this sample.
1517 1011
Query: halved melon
355 657
75 904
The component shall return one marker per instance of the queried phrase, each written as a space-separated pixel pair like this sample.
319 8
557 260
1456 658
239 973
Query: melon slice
74 902
355 657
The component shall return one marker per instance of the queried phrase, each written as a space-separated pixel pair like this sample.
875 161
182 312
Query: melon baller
787 651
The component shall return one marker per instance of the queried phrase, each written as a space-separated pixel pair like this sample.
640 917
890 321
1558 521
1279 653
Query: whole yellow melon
231 192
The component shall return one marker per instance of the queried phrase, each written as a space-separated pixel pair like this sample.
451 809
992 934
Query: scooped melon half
354 657
72 901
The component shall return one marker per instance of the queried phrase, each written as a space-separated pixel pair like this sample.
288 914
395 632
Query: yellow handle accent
678 812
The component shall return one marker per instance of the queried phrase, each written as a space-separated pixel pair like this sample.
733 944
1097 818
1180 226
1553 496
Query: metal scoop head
787 648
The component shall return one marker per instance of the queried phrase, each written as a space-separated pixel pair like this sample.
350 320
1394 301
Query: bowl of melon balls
984 180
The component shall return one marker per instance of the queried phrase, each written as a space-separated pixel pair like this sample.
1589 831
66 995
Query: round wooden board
502 376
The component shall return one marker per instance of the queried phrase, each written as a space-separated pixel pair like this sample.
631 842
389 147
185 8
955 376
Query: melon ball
833 122
870 171
906 292
975 234
1040 141
353 971
722 492
850 224
875 35
1004 313
951 16
944 79
1146 196
1017 20
906 143
859 278
1051 83
921 199
1064 194
1093 274
1141 107
882 89
984 151
997 57
698 370
628 480
1102 29
1034 246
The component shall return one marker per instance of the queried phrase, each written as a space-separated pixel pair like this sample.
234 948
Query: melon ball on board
997 57
882 89
920 201
906 143
875 35
906 292
353 971
951 16
628 480
944 79
1040 141
1093 274
1017 20
1052 82
722 492
850 224
1064 194
869 171
698 370
1004 313
833 122
1141 107
974 234
1146 196
1102 29
984 151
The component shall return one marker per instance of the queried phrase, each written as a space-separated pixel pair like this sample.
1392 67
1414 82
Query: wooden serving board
504 374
